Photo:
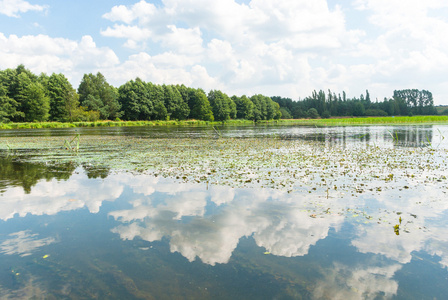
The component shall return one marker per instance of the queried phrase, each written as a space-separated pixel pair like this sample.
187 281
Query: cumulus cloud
259 46
288 48
264 43
13 8
408 49
42 53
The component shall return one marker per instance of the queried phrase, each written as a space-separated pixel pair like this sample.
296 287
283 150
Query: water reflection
91 233
26 175
350 244
271 218
51 196
391 135
369 281
24 243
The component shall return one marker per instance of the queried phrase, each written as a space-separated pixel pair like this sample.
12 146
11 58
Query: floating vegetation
333 171
326 173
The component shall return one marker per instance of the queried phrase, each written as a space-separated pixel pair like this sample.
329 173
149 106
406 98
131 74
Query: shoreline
304 122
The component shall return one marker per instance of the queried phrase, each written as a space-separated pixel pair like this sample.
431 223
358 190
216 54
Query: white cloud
13 8
408 49
42 53
246 45
133 33
286 48
121 13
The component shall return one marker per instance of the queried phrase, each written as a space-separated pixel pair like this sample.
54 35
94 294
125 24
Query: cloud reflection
53 196
359 282
208 223
281 227
24 243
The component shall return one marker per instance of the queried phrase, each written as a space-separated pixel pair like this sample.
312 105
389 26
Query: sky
282 48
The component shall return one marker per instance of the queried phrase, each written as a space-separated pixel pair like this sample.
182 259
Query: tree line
320 104
27 97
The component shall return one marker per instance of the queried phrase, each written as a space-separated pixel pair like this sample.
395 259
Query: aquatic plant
72 145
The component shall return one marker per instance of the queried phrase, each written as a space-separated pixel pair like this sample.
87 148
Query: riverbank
312 122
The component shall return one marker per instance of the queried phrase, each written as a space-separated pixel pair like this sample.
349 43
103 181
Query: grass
108 123
313 122
369 120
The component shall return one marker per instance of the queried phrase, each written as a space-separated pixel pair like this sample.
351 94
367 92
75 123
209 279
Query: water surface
76 231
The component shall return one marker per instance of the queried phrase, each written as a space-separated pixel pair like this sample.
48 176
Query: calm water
70 232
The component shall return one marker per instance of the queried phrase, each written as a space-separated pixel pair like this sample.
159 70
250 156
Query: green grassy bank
370 120
317 122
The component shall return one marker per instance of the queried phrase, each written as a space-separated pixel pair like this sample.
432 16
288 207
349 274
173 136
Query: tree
260 112
177 109
157 95
200 107
8 106
135 100
222 106
358 109
326 114
96 94
244 107
312 113
63 98
19 93
37 103
286 114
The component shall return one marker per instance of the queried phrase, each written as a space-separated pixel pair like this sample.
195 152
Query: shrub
312 113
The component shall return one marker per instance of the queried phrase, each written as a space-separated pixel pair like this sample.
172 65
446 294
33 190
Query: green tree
222 106
200 107
37 103
244 107
326 114
63 98
177 109
358 109
135 100
286 114
157 98
96 94
8 106
259 107
312 113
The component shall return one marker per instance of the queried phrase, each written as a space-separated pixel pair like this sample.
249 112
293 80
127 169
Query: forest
407 102
27 97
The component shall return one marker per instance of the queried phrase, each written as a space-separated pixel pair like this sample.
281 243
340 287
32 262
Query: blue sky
277 48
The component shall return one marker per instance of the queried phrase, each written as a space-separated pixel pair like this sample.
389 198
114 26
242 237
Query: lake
251 212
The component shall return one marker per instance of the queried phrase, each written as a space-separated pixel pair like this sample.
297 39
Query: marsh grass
72 145
370 120
310 122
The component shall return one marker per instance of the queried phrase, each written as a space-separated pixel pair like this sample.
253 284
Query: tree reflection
421 136
26 174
